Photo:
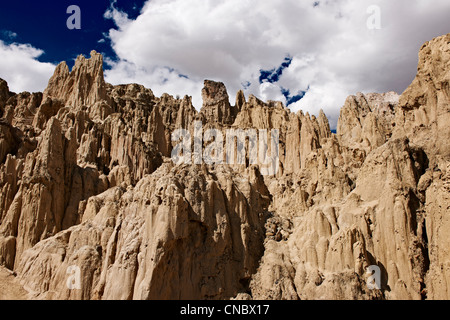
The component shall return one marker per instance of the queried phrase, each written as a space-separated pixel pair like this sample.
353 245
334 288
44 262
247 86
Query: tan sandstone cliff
87 181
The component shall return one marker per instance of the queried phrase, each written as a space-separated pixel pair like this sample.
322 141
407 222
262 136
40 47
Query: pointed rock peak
84 85
92 66
240 99
187 101
216 105
5 94
59 76
94 56
62 69
253 100
324 125
214 93
94 62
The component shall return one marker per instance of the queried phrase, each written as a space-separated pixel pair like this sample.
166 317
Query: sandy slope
10 288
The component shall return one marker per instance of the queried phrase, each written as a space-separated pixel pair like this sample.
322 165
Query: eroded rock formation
87 181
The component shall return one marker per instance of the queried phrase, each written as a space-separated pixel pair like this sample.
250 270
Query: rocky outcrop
216 106
435 184
181 233
389 217
5 94
424 114
83 86
48 197
367 120
89 190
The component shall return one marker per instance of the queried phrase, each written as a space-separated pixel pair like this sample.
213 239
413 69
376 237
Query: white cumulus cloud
21 69
173 45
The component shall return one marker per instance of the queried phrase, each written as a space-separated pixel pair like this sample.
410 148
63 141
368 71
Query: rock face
83 86
10 288
135 239
366 120
93 207
5 94
216 106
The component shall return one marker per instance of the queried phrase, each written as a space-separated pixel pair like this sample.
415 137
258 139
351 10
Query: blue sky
43 25
308 54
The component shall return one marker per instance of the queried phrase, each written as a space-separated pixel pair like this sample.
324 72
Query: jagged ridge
87 180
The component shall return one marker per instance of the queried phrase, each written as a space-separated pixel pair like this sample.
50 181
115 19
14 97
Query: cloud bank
173 45
308 54
21 69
